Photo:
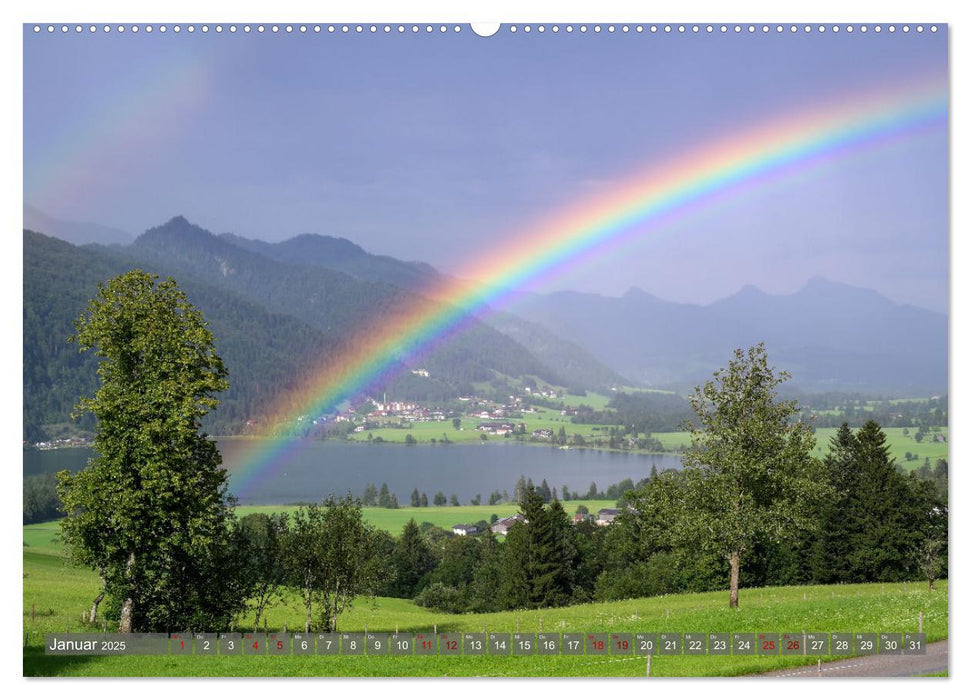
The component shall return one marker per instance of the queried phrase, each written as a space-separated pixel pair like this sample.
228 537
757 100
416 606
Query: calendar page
524 349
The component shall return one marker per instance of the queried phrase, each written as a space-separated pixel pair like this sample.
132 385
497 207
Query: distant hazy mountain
78 233
828 335
343 255
571 360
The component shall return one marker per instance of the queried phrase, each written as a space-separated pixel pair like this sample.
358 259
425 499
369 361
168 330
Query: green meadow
56 593
898 443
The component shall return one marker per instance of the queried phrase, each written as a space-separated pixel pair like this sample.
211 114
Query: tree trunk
306 624
97 601
125 623
337 588
261 600
733 584
94 607
930 584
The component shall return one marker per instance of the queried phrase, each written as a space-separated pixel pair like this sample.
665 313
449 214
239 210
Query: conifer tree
537 558
829 551
880 512
412 559
544 492
520 489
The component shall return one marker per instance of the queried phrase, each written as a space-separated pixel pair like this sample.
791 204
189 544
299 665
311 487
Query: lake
319 468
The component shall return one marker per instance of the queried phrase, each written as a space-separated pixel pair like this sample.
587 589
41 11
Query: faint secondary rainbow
104 139
664 191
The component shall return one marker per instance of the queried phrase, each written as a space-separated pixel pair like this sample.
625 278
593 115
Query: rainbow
663 192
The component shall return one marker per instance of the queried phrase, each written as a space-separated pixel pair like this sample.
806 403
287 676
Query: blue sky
433 147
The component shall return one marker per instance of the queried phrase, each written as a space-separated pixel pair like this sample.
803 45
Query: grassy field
393 520
467 433
55 594
899 444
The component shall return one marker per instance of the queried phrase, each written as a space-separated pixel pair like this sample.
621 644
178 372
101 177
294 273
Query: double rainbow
662 192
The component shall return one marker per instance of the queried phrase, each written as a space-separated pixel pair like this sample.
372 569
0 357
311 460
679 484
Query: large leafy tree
150 512
749 475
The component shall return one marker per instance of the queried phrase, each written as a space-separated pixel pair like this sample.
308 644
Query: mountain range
76 232
828 335
278 310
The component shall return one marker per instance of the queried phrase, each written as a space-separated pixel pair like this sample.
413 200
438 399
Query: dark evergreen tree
412 560
544 492
881 535
370 495
829 551
535 573
424 500
519 490
512 583
565 552
415 499
384 497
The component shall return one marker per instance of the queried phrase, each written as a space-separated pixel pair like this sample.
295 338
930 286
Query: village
484 416
604 517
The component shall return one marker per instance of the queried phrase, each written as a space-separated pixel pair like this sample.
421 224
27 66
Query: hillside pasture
56 593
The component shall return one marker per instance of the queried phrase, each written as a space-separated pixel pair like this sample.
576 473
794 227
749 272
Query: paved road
880 666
